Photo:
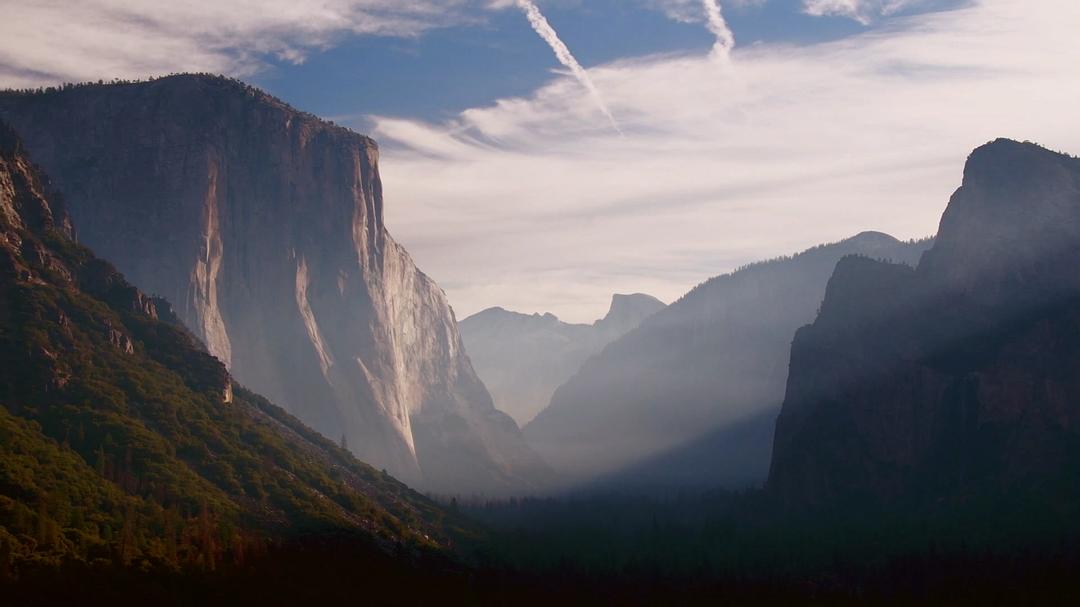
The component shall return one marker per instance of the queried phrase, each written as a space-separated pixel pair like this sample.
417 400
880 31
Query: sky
541 157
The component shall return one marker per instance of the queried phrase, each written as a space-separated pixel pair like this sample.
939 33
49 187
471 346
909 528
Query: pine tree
126 549
100 464
5 559
43 527
206 538
171 552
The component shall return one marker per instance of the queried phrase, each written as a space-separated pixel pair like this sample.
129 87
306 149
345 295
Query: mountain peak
631 308
873 237
499 314
1003 162
1018 208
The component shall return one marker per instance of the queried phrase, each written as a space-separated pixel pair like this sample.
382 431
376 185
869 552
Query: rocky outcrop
265 225
523 358
663 406
960 377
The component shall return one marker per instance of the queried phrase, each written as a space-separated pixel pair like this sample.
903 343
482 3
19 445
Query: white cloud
47 41
863 11
531 204
548 34
689 11
715 22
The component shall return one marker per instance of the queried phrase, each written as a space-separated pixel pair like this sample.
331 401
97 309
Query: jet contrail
540 24
714 20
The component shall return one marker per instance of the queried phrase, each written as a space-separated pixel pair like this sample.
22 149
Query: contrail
714 20
540 24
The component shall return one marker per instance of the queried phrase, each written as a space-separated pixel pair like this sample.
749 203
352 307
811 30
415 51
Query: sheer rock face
266 226
663 406
523 358
957 377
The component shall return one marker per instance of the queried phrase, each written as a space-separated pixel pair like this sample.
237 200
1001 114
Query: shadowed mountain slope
958 378
715 358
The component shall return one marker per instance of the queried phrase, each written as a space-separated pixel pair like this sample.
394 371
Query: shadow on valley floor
734 457
695 549
980 549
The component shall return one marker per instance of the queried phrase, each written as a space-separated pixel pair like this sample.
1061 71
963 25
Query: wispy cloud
50 41
863 11
548 34
524 204
46 41
714 20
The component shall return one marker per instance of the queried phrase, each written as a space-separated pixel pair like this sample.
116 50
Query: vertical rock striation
266 226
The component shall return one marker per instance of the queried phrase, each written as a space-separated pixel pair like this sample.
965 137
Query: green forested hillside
123 442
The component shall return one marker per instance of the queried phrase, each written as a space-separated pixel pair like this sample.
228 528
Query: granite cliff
114 417
959 377
265 226
523 358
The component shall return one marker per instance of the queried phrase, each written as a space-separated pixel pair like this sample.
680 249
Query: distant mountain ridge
265 226
956 378
657 407
523 358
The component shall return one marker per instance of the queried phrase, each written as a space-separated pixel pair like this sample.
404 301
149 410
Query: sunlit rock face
956 378
523 358
265 226
688 398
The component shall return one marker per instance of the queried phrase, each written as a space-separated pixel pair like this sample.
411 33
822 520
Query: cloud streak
714 20
548 34
863 11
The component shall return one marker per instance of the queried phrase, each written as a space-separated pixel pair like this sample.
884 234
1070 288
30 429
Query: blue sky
448 70
509 184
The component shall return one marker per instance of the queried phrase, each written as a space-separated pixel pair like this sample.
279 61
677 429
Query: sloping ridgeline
124 444
689 398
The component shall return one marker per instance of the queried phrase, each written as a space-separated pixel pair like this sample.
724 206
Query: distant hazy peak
632 304
492 312
499 315
522 358
872 237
